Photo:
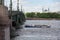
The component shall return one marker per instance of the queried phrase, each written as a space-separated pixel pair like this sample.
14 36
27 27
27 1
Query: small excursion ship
37 26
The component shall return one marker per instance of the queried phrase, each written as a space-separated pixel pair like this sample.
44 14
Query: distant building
45 10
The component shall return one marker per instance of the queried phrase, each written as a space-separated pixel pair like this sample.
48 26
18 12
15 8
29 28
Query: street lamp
11 11
1 2
17 5
17 9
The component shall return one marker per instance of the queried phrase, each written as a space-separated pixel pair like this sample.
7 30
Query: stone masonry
4 23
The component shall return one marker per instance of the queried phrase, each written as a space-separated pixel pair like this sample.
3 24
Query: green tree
43 15
38 15
30 15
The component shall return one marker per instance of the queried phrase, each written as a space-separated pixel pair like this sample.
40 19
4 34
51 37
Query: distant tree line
42 15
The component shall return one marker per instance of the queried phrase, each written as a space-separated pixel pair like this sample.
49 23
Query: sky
35 5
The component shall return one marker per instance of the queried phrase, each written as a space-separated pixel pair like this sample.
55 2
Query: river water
52 23
52 33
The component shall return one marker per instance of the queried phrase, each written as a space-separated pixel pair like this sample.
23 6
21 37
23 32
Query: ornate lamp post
17 9
17 5
1 2
11 7
11 11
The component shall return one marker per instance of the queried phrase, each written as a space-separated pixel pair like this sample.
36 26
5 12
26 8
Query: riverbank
42 18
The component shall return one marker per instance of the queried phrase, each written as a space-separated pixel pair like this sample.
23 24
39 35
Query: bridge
8 19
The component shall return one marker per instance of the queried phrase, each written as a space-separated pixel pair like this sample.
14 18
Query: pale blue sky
36 5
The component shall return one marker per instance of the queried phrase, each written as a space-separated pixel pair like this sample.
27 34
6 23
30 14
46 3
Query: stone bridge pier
4 23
